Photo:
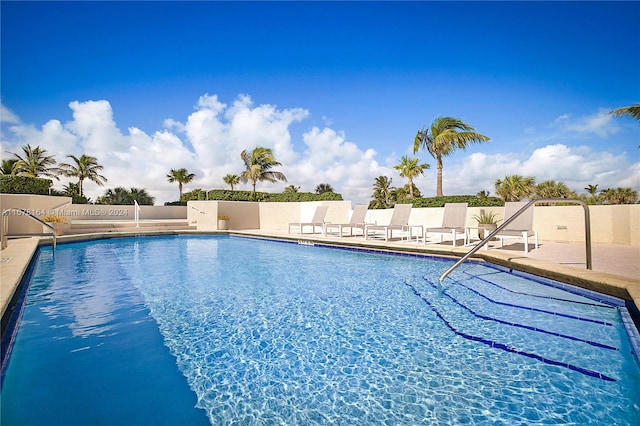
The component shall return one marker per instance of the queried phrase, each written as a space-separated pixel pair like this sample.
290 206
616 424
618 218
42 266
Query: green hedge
10 184
471 200
228 195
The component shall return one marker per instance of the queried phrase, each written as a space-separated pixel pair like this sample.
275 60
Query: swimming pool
226 330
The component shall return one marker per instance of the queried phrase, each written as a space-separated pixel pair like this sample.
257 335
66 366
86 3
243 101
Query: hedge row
471 200
10 184
228 195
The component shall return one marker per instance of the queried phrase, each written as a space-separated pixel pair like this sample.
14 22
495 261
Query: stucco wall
44 205
254 215
38 205
617 224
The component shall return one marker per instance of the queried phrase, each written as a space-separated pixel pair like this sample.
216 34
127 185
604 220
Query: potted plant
222 221
59 223
487 223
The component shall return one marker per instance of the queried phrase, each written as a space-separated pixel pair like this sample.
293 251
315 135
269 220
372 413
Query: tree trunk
439 178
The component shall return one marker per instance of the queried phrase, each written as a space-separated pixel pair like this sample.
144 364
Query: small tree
410 168
258 164
619 196
7 166
181 176
231 180
291 189
86 167
382 193
515 187
34 162
324 187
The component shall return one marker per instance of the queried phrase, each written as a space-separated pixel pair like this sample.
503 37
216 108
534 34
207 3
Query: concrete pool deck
616 268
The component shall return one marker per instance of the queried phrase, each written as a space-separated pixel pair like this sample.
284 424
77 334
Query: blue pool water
218 330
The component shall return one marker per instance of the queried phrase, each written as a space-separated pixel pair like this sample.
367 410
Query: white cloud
600 124
575 166
209 141
7 116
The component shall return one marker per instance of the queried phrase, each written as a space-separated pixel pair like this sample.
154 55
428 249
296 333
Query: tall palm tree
34 162
382 193
442 138
632 111
324 187
258 164
515 187
410 169
7 166
86 167
181 176
231 180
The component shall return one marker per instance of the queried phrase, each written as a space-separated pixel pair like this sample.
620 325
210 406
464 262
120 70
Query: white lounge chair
318 220
453 222
399 221
356 221
521 227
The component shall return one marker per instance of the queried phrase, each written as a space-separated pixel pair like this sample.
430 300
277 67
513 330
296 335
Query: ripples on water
272 333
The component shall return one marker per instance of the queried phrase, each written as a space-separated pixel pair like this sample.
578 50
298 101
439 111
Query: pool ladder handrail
587 230
5 225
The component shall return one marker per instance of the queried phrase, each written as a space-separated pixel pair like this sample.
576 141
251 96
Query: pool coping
19 253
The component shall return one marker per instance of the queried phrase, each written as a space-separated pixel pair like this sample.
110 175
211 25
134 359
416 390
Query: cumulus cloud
208 143
578 167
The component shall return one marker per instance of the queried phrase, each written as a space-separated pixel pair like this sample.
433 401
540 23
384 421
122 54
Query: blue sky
337 89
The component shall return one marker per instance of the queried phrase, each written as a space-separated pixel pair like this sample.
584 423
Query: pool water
217 330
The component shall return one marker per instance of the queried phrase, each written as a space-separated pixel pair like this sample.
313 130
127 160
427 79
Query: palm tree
324 187
231 180
632 111
410 169
181 176
7 166
117 196
291 189
34 162
483 195
553 189
515 187
86 167
382 193
592 189
620 196
141 196
445 135
122 197
258 164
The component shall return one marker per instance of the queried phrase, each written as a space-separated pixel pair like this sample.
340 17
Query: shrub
228 195
471 200
10 184
54 219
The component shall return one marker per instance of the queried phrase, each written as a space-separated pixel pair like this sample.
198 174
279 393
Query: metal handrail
5 224
587 230
197 209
